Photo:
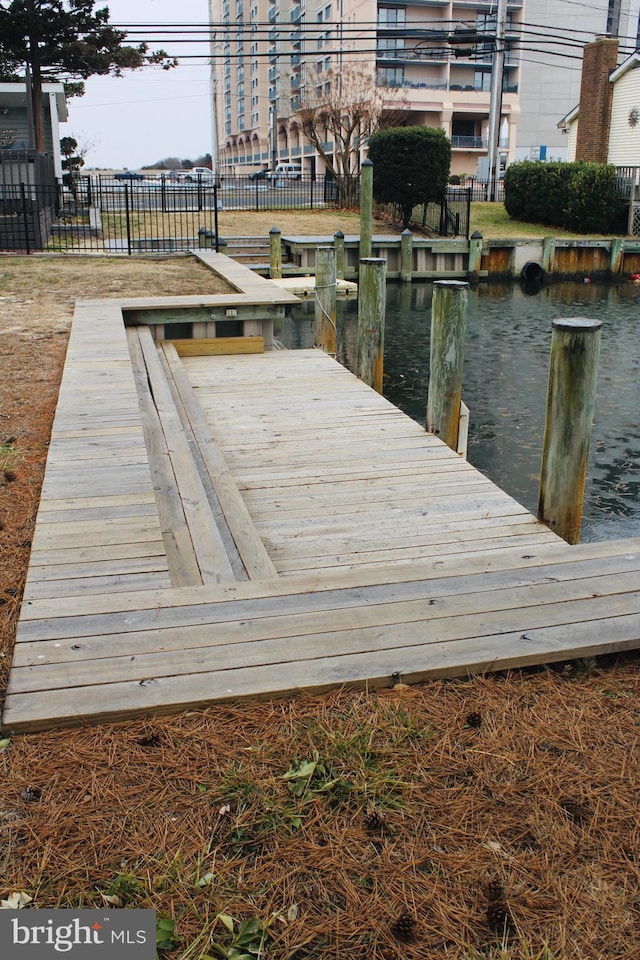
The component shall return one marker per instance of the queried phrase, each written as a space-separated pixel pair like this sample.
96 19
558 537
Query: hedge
581 196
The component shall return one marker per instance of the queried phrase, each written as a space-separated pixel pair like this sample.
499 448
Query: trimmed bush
579 196
410 166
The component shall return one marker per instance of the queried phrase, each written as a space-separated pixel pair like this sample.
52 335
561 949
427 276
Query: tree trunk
36 101
36 86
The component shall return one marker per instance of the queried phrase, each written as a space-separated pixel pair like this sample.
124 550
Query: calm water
505 381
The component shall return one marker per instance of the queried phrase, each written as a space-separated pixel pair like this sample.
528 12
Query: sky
148 114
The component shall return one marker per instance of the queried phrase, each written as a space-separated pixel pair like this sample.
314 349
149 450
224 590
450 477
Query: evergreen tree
65 39
410 166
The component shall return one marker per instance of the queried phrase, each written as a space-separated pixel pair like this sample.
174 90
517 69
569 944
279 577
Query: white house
623 129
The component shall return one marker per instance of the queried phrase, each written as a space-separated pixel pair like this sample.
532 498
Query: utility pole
495 107
215 146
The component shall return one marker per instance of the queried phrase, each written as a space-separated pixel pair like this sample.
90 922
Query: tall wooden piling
573 374
366 208
325 299
448 325
338 242
406 256
371 316
275 253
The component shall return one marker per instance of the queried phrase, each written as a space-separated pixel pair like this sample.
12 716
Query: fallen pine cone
499 919
403 928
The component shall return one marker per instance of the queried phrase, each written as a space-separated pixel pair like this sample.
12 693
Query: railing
447 218
101 215
469 143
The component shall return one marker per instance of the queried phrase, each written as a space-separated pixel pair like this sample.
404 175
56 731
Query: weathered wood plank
250 547
209 550
217 346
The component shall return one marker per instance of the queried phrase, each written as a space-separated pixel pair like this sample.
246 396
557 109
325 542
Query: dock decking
223 527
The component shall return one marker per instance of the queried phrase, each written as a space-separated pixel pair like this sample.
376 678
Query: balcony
475 143
414 54
468 143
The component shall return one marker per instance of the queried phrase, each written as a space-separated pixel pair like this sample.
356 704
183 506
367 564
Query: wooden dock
233 526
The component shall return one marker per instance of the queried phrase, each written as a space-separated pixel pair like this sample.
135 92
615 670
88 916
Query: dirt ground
494 817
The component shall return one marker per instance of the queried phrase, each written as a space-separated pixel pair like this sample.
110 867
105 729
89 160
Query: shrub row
581 196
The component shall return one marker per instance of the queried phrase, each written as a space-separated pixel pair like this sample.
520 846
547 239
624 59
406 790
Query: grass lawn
493 222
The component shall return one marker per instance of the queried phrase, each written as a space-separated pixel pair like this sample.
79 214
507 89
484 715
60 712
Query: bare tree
338 113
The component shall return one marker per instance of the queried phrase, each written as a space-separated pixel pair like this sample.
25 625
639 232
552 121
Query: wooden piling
475 256
325 300
366 208
548 255
448 324
573 373
338 242
275 253
406 256
371 316
617 256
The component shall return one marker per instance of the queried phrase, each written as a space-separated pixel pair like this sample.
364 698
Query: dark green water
505 381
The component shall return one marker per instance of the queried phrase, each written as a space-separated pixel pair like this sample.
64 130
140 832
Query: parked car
128 175
263 174
286 171
199 173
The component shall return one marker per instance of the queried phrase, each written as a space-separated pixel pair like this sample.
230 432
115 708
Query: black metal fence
28 215
450 217
105 215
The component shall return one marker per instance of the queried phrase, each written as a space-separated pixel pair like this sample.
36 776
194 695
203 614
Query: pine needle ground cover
496 817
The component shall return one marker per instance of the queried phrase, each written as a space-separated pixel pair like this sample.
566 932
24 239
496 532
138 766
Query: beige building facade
268 58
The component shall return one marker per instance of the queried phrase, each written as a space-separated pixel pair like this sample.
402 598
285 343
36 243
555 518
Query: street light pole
495 107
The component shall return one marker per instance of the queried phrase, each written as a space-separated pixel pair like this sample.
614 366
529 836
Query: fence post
371 315
215 215
617 256
366 207
25 217
548 255
406 256
128 217
275 254
338 241
573 373
325 300
448 323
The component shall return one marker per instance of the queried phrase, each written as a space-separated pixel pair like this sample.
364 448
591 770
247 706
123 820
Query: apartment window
255 119
388 47
482 80
390 77
392 16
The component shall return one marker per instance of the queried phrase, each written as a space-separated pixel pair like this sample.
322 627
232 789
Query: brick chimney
599 60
